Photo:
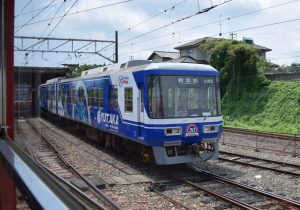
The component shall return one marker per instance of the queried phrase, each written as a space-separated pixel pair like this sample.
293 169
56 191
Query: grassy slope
275 109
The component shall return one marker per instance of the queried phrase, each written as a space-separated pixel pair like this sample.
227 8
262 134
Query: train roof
112 67
115 69
54 80
180 66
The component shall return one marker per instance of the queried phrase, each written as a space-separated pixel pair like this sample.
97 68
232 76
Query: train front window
183 96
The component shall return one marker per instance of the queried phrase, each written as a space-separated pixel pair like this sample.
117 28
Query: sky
148 25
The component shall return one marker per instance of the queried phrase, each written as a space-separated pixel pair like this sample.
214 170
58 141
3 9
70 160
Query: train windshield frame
183 96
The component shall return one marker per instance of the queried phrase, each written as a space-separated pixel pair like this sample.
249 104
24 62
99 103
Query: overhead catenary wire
53 29
215 35
146 20
19 28
179 20
49 24
285 57
210 23
77 12
153 16
197 13
29 12
23 8
203 25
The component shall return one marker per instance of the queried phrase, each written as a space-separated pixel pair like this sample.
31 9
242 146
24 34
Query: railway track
54 159
276 166
226 192
168 198
239 195
43 126
259 141
263 134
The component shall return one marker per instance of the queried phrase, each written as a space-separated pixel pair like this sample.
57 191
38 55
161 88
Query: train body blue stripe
112 120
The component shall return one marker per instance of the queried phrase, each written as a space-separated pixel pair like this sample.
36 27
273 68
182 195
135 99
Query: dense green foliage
239 65
276 108
249 100
295 64
85 67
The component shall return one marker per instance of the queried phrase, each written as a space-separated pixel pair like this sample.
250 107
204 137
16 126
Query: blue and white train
173 109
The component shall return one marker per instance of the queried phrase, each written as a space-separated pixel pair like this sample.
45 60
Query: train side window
100 97
72 96
128 99
75 96
68 96
113 97
81 95
142 100
90 97
48 98
95 97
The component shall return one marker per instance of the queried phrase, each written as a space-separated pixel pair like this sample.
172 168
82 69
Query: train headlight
173 131
210 128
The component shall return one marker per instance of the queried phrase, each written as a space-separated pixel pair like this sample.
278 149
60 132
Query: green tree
238 64
295 64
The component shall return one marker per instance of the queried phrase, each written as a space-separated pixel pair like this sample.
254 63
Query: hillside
276 109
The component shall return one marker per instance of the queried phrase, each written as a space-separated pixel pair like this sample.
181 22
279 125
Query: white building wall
196 53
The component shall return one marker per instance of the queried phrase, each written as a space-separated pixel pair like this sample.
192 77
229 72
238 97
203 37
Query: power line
25 13
285 57
179 20
48 25
238 30
203 25
34 16
23 8
216 22
266 8
153 16
262 26
75 13
53 29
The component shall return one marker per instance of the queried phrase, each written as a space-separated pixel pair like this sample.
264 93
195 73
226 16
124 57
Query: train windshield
183 96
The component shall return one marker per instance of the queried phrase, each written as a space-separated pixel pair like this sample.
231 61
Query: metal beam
63 39
59 51
105 57
36 45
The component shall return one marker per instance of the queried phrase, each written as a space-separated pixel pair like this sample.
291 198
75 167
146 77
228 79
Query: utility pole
232 35
220 34
116 47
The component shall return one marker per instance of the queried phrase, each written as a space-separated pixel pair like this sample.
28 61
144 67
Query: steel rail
170 199
104 198
34 181
83 196
261 148
152 189
243 186
233 201
259 166
256 158
263 134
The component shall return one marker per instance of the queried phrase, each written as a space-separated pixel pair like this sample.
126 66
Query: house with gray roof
162 56
194 49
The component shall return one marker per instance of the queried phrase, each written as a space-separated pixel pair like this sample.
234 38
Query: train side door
140 112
